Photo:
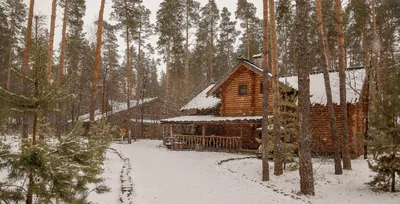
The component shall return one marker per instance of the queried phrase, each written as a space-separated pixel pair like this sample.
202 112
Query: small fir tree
385 133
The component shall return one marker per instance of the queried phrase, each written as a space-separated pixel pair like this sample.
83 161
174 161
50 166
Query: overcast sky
43 7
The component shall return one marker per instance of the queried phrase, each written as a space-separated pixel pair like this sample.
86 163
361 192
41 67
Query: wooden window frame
240 88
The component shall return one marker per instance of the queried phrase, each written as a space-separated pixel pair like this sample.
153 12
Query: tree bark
168 73
128 58
264 133
325 67
375 50
51 40
10 54
98 60
278 166
248 40
187 54
303 69
63 45
342 85
28 37
367 66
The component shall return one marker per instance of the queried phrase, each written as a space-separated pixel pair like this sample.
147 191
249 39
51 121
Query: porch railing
209 142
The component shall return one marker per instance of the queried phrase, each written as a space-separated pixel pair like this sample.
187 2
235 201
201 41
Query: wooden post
171 130
204 134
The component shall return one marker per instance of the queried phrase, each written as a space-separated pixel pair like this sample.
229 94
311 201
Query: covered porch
214 133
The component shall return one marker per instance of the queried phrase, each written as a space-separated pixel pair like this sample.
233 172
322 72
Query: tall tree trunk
264 137
342 85
187 54
138 82
51 40
210 79
138 74
61 64
26 63
168 73
128 59
248 40
103 95
303 69
325 67
375 50
109 87
367 67
63 44
98 59
10 53
278 166
28 37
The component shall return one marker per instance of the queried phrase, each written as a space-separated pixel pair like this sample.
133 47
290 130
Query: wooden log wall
234 104
321 129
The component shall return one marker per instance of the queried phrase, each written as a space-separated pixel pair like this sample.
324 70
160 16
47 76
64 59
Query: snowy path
172 177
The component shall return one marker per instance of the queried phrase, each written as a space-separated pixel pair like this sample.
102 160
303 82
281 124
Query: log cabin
145 115
226 115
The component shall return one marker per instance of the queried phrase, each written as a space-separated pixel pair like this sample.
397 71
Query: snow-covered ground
161 176
112 168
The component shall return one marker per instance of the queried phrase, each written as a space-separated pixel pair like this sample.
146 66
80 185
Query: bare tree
264 137
325 66
303 70
98 60
342 87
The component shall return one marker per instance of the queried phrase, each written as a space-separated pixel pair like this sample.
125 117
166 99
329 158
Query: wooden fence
209 142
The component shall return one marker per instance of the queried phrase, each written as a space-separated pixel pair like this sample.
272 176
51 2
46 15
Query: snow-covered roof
354 83
210 118
202 101
146 121
117 107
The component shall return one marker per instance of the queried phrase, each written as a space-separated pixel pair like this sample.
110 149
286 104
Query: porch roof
211 119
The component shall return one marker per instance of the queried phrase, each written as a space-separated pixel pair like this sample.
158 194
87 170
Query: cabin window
242 90
261 88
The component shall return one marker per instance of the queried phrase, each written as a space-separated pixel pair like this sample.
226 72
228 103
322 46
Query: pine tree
325 67
264 133
225 44
111 62
97 61
125 13
385 135
278 170
61 65
51 40
210 18
169 26
16 17
192 8
342 88
303 69
246 12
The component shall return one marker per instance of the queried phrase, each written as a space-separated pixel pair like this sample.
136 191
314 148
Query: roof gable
243 63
